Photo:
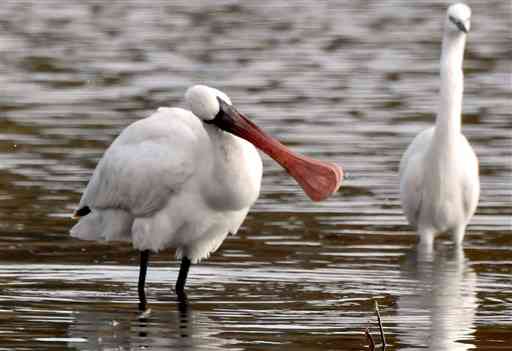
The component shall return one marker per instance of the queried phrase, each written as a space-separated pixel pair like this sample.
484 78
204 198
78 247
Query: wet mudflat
349 82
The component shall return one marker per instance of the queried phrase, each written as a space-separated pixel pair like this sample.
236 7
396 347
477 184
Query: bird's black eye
458 23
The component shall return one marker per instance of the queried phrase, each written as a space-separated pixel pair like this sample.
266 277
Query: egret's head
203 101
458 18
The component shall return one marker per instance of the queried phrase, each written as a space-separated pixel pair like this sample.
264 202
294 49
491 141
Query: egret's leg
425 244
182 278
458 235
144 259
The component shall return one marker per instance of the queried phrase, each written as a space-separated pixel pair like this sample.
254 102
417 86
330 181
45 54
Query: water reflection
178 329
440 310
349 82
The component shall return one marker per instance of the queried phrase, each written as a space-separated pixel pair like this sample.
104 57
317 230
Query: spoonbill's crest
458 17
202 101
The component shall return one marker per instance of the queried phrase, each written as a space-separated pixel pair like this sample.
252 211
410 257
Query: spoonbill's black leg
144 259
182 279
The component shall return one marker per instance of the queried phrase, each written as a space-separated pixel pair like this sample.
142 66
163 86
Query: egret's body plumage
439 181
150 189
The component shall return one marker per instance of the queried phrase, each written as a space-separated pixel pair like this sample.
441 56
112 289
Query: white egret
439 181
185 180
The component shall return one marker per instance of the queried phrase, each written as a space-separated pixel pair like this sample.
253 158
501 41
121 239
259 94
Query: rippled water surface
346 81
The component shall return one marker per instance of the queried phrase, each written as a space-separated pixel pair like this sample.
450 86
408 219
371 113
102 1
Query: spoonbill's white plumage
185 180
439 181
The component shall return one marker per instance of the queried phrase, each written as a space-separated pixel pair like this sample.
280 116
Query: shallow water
350 82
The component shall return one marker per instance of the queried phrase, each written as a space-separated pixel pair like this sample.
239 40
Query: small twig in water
381 329
383 338
370 339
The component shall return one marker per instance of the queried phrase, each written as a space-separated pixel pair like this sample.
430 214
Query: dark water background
346 81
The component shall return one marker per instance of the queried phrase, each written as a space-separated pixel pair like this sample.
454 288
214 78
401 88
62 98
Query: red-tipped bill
318 179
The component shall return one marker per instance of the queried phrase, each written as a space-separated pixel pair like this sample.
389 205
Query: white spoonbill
185 180
439 181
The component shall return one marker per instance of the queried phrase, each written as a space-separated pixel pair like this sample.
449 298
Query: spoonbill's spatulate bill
439 181
186 179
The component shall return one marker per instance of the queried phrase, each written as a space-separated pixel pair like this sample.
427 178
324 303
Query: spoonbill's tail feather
88 228
108 225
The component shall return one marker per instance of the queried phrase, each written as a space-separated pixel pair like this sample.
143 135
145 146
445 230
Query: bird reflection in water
439 308
162 329
183 312
183 318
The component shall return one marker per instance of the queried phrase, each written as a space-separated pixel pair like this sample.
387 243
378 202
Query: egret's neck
448 122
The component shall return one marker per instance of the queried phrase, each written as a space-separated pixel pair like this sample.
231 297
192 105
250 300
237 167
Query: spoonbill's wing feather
146 164
412 175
